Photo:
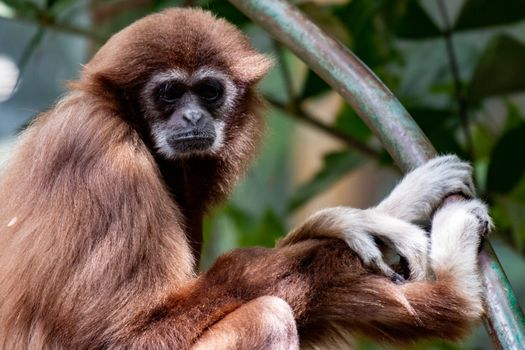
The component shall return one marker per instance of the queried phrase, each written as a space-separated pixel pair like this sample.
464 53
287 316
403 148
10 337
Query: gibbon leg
457 231
266 322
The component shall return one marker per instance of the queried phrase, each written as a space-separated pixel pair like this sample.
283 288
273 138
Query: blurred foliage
459 72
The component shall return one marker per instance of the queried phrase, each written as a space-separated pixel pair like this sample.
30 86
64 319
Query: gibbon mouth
190 142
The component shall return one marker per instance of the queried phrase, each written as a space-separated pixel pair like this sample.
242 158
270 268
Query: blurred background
457 66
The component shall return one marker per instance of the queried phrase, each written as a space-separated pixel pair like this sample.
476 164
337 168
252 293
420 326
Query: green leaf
358 14
485 13
501 69
512 215
416 23
483 140
514 117
314 86
366 21
507 164
220 235
242 219
335 166
262 231
61 7
349 122
327 20
226 10
268 230
25 8
518 192
509 215
439 126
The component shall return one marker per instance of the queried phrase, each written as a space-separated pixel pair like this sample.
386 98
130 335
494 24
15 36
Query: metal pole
392 124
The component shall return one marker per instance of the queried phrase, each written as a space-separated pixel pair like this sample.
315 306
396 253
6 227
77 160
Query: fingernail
397 278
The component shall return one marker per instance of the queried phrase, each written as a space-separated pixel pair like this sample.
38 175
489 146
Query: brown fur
95 231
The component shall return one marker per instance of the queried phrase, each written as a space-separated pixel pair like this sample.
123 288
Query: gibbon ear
252 68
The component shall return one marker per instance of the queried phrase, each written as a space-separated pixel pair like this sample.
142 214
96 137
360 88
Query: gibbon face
187 112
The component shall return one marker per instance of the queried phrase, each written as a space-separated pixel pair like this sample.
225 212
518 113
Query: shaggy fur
97 229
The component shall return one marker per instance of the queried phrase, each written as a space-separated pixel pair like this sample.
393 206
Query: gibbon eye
210 90
171 92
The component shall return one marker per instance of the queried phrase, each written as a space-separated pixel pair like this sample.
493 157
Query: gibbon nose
192 116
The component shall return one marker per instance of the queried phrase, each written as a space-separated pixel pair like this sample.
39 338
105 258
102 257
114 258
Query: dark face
187 112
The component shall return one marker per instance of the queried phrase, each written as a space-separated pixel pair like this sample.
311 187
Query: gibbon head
187 78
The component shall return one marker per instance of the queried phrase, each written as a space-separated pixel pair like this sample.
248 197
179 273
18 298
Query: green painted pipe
392 124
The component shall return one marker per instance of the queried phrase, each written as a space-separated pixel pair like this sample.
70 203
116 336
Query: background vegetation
457 66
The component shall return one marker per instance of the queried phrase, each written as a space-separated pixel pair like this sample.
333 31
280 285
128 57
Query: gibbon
103 199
